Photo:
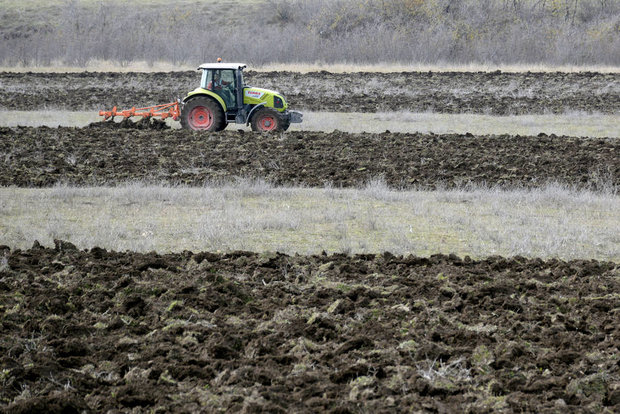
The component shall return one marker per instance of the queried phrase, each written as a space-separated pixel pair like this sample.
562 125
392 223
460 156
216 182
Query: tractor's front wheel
203 114
268 120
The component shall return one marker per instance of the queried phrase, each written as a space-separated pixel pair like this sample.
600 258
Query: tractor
222 98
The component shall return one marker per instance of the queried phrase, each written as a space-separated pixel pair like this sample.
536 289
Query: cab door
228 88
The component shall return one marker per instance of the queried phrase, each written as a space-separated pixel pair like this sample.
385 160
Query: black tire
286 123
203 114
268 120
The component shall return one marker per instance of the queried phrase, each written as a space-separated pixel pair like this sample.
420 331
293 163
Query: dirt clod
446 92
95 156
127 123
224 345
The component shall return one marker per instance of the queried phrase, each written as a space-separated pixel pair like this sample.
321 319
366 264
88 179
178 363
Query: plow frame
163 111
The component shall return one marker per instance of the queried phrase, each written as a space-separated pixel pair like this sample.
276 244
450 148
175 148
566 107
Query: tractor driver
217 83
220 86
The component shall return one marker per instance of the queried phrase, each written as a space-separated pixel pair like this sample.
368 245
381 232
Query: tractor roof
222 65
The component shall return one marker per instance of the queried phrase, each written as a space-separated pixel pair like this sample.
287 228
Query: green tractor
223 98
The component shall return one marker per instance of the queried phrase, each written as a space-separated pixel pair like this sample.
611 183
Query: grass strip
552 221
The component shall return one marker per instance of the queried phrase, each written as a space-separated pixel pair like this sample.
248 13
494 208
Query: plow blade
169 110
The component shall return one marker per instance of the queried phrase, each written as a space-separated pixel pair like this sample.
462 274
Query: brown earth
242 332
97 331
449 92
108 155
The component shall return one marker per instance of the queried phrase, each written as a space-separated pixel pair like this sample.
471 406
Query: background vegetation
555 32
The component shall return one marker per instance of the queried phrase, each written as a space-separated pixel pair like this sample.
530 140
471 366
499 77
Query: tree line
554 32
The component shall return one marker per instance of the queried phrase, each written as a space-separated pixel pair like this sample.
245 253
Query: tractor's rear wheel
268 120
203 114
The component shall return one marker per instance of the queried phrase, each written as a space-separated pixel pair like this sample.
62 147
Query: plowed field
98 155
273 333
450 92
104 331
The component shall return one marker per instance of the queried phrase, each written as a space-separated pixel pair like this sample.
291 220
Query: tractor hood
273 99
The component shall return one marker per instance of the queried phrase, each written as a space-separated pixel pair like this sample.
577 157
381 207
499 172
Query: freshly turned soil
97 330
103 331
108 153
450 92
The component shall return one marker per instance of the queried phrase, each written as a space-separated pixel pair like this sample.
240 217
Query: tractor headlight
278 102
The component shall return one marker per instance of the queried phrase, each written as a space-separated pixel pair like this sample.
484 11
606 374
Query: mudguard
254 109
201 91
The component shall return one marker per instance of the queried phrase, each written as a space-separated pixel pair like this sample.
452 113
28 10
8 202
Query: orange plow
169 110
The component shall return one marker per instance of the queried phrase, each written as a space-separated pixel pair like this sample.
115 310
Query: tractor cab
223 98
226 81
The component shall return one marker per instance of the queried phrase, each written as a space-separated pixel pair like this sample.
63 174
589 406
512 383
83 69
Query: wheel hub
201 117
267 123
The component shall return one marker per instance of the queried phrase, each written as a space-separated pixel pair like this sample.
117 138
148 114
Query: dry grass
382 67
553 221
49 118
571 124
444 67
103 66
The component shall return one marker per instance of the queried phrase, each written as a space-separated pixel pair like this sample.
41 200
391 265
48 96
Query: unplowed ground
241 332
449 92
106 154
